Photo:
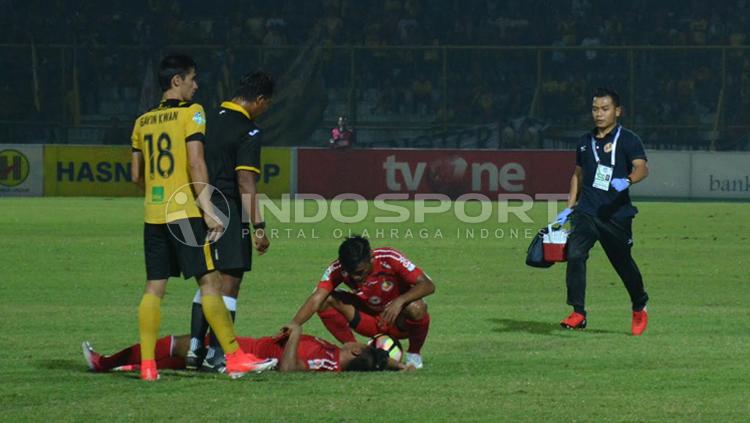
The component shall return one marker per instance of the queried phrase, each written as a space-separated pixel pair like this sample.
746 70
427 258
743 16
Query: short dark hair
608 92
369 359
175 64
253 85
353 251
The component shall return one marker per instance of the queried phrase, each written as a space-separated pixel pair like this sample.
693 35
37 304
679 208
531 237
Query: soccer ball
390 345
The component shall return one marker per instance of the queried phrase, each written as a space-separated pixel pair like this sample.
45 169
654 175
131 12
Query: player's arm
635 152
311 306
247 168
136 168
195 127
247 183
199 177
289 361
422 288
137 163
198 172
639 172
575 184
576 180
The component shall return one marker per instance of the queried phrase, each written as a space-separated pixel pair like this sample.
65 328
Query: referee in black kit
609 159
233 157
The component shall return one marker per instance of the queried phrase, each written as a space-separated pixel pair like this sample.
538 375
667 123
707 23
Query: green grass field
72 270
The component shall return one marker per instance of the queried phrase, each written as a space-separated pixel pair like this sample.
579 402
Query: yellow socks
221 323
149 317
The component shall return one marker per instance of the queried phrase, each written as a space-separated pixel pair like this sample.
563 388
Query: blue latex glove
563 216
620 184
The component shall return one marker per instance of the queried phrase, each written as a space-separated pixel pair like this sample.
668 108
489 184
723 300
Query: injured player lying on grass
293 351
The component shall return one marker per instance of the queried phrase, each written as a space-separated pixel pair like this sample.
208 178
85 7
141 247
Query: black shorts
177 247
232 253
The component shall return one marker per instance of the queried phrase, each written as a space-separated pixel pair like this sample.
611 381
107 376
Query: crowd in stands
378 22
478 85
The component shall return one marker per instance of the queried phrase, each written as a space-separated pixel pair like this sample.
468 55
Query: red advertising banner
452 172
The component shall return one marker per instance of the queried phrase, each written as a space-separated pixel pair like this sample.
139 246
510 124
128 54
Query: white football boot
413 359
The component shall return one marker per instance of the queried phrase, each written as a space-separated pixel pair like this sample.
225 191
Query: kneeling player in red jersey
386 297
293 350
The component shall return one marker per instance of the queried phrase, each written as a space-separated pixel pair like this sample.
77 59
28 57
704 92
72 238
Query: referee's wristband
261 225
630 181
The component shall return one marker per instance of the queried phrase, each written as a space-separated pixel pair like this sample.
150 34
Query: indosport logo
14 168
176 213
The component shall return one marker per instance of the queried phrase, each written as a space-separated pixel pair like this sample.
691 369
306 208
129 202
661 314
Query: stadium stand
398 68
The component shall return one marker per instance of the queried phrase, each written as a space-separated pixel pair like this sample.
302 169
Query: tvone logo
14 168
453 175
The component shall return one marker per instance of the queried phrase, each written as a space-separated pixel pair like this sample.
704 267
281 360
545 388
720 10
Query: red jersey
392 274
317 354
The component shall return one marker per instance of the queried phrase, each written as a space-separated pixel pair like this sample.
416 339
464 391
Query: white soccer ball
388 344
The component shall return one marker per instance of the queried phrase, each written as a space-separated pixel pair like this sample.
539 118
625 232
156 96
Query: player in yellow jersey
180 221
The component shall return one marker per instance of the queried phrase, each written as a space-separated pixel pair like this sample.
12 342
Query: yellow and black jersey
162 134
233 143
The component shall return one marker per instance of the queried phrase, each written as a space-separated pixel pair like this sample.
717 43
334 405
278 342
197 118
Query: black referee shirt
600 203
233 143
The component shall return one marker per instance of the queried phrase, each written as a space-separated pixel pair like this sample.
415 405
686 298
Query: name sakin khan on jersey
159 118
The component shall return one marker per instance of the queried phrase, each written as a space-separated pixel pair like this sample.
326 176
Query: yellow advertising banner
278 171
88 170
104 171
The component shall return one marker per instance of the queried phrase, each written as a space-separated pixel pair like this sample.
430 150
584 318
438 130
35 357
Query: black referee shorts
232 253
177 247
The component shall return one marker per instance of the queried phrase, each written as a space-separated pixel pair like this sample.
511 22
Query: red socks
132 355
417 330
336 323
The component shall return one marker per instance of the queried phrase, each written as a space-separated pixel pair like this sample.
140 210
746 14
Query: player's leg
238 363
617 242
177 352
166 347
337 314
215 312
149 319
230 289
200 356
360 317
161 263
582 238
415 321
198 262
232 255
198 330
